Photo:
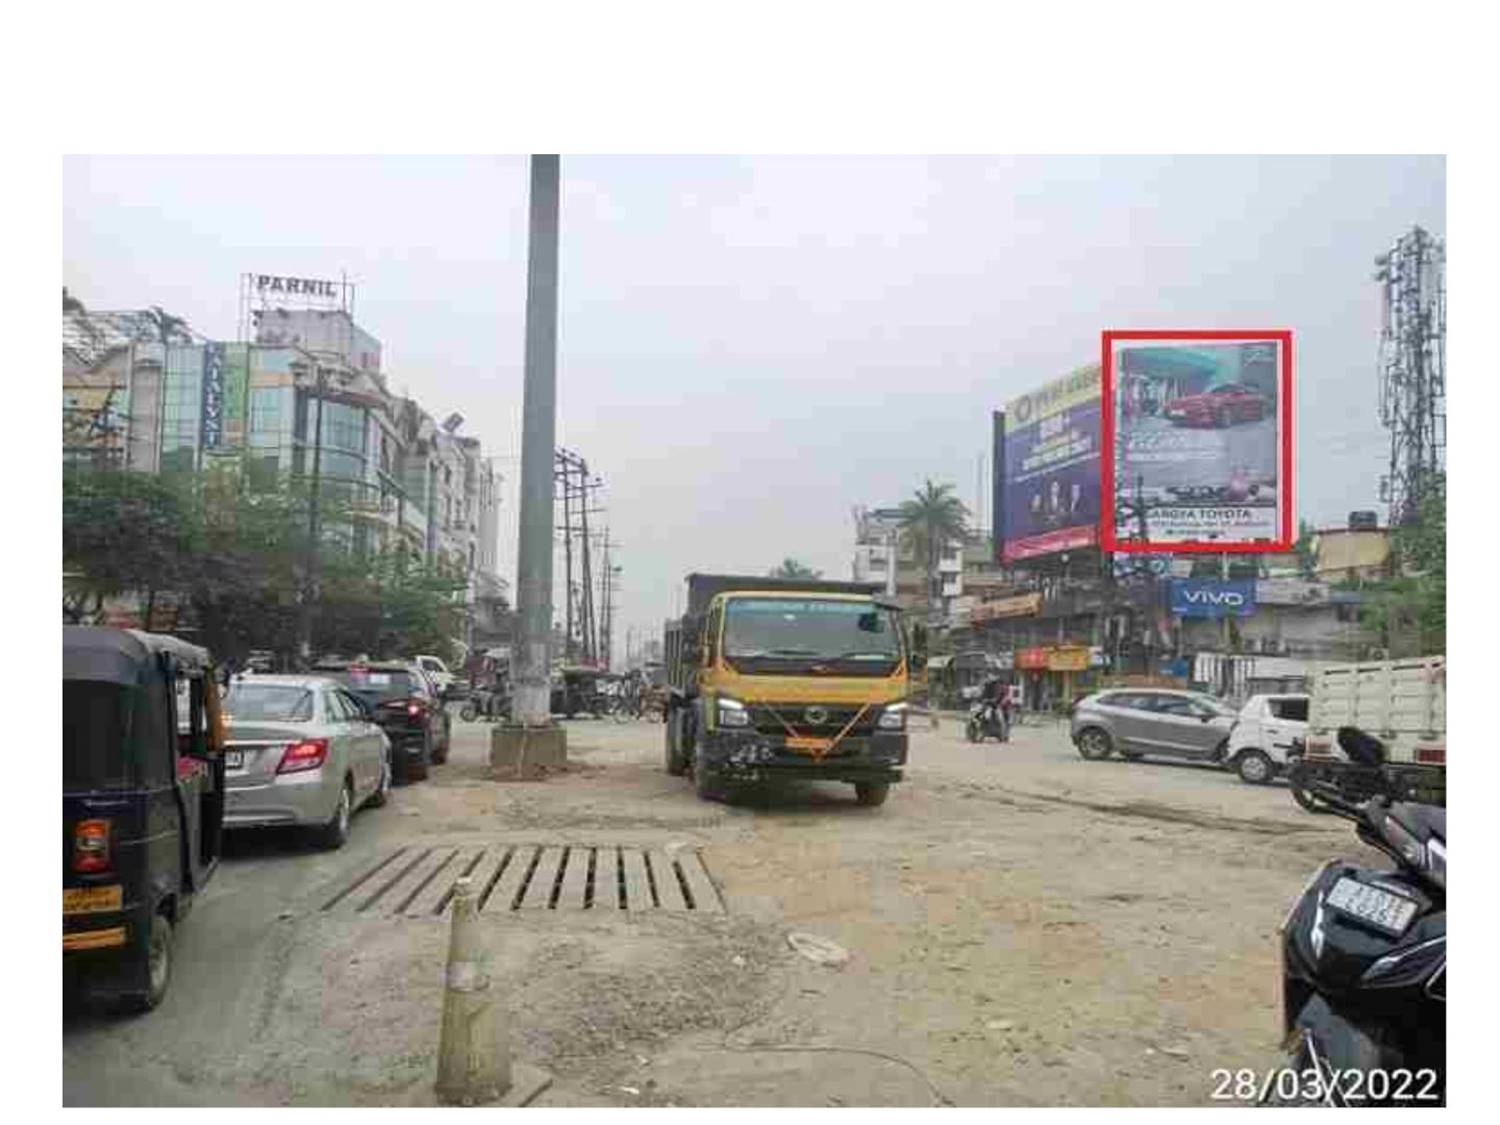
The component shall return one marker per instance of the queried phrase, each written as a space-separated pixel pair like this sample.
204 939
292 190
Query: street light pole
538 445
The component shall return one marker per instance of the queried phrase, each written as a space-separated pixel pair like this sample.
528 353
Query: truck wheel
704 783
676 763
1254 767
871 793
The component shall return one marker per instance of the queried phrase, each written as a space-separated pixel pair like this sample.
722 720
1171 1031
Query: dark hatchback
401 701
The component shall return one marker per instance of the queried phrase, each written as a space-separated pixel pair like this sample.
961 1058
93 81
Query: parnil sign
1211 597
295 286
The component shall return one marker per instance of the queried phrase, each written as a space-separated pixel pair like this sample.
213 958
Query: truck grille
835 718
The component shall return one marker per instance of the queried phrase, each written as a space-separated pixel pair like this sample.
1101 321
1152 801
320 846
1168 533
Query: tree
1407 614
930 520
794 568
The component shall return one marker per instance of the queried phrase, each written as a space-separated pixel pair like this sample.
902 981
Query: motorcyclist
992 696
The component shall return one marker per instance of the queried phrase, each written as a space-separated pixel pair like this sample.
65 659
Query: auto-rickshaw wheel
158 967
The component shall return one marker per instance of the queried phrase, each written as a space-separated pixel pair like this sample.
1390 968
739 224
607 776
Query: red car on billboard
1219 406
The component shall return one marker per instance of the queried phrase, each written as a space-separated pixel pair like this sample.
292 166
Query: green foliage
238 557
1407 615
933 517
794 568
1305 550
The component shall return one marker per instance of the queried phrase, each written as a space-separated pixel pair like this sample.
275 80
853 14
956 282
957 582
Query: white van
1263 735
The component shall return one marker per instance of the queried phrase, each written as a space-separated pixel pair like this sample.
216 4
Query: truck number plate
92 900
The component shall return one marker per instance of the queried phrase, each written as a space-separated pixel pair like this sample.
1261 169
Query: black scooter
1364 959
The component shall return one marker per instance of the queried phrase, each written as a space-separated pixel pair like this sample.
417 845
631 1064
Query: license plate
811 745
92 900
1392 913
234 759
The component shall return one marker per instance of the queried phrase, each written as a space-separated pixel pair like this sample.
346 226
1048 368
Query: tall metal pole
590 637
567 470
538 446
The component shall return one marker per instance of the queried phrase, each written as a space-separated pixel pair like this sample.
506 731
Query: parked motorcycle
1364 957
985 721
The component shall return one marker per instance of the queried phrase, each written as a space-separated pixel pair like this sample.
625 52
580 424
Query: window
1292 709
248 701
1176 705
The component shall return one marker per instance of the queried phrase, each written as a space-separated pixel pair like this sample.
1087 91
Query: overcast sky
750 347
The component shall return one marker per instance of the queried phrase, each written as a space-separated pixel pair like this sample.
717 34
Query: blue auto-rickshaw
143 805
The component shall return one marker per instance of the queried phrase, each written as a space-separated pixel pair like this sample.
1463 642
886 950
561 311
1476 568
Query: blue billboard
1211 597
1050 479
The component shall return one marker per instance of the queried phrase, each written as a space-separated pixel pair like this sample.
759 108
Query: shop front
1054 675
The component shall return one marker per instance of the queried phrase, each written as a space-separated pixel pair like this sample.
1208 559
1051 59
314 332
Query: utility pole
565 464
533 656
310 587
590 636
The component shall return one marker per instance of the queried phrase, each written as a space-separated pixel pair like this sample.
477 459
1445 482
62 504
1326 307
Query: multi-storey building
307 399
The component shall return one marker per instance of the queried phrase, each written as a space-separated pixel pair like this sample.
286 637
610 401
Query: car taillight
1432 755
413 709
308 754
91 845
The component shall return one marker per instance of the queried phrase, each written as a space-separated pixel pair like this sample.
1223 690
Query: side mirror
918 661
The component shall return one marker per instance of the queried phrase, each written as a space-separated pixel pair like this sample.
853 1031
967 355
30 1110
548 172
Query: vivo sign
1208 597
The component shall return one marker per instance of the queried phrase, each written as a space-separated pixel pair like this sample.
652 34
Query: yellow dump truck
788 678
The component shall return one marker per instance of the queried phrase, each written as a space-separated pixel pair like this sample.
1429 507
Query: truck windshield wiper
859 654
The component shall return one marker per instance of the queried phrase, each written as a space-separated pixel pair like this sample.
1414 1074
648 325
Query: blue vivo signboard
1211 597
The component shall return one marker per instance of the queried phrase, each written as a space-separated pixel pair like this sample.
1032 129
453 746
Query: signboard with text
1049 451
1196 441
213 397
1211 597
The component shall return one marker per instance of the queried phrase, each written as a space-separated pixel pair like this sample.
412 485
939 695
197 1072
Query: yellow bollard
474 1049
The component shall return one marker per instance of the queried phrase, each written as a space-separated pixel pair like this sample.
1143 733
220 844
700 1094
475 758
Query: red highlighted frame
1107 520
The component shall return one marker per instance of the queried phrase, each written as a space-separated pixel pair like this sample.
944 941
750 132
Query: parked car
1219 406
1134 722
1264 734
301 751
443 732
400 696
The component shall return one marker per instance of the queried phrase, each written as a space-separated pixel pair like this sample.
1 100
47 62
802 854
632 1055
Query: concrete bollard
474 1050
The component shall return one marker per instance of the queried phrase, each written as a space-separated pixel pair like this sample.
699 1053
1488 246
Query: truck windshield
811 632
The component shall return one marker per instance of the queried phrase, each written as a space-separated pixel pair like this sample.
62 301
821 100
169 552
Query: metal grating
417 882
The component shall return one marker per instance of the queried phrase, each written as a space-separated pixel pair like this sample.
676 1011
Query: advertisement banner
1068 660
1031 658
212 429
1211 597
1022 605
1197 439
1050 454
236 394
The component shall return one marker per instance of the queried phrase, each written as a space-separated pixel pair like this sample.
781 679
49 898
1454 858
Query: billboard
1049 486
211 429
1211 597
1197 441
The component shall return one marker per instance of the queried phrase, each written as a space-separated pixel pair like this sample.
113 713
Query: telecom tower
1413 379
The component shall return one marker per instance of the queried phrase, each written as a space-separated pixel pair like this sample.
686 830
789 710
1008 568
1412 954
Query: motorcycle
984 721
484 704
1364 957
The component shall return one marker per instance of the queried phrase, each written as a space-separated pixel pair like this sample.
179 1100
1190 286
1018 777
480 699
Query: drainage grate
417 882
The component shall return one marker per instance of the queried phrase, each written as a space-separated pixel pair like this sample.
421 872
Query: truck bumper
749 756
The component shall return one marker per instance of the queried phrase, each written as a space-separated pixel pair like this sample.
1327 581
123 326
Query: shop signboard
1031 659
1049 453
1069 659
1196 436
1021 605
212 427
1211 597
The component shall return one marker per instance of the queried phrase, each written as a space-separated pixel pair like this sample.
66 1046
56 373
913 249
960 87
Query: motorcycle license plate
1385 911
234 759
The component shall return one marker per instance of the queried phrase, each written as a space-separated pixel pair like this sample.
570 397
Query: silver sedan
301 751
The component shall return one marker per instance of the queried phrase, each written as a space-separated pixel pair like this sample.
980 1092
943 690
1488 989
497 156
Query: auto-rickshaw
143 805
577 690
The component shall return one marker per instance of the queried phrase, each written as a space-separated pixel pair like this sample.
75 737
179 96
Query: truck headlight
732 713
893 717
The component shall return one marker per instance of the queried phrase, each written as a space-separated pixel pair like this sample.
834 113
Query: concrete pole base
521 753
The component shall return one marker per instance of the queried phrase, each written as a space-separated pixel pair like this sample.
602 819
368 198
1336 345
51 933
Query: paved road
1025 928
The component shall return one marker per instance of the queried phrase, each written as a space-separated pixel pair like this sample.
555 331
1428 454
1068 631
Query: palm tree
793 568
930 520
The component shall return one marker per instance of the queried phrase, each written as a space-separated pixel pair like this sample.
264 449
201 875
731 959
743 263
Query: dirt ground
1024 928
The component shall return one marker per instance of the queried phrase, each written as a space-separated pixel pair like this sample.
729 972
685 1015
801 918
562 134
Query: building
883 554
1352 553
306 398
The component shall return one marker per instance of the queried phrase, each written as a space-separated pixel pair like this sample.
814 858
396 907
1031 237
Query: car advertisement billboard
1049 451
1197 441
